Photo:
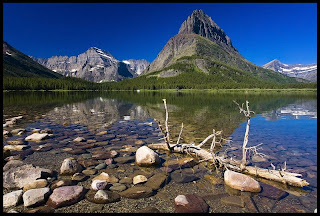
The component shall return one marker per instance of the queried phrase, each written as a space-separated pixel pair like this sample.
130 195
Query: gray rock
35 197
118 187
12 199
156 181
100 166
123 160
18 176
70 166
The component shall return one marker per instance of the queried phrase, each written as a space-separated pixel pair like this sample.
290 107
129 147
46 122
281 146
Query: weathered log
274 175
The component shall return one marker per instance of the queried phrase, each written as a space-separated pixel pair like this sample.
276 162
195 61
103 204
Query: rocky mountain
137 65
17 64
95 65
307 72
202 45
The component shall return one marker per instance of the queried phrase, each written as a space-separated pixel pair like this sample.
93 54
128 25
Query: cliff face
94 65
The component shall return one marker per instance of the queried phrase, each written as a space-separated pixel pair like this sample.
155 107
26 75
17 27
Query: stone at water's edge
70 166
12 199
15 147
190 203
64 196
241 181
34 197
146 157
21 174
39 183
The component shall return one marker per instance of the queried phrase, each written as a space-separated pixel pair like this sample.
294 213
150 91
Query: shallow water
285 124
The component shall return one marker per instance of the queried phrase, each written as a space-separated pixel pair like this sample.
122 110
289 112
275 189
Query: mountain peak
200 23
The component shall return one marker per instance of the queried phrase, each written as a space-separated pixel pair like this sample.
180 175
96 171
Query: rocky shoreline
57 168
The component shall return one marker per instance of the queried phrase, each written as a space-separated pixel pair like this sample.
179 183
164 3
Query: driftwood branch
220 161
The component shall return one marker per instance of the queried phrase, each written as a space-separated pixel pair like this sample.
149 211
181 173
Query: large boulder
70 166
35 197
12 199
37 137
241 181
146 157
17 174
64 196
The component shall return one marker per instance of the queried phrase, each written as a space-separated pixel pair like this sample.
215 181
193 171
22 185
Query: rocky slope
307 72
17 64
95 65
202 43
137 66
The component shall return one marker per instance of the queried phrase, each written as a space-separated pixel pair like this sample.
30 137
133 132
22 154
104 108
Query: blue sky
260 31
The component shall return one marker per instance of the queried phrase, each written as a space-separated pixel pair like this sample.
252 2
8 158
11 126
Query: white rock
15 147
36 137
34 197
70 166
181 200
101 194
16 131
99 184
139 179
146 156
315 211
79 139
12 199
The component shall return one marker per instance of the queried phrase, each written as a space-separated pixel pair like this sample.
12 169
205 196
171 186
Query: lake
284 123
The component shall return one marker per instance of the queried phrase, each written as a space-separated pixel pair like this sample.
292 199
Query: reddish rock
64 196
194 204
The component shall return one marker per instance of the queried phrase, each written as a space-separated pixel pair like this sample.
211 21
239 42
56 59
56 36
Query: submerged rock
137 192
15 147
156 181
146 157
79 139
102 197
241 181
139 179
36 137
190 203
